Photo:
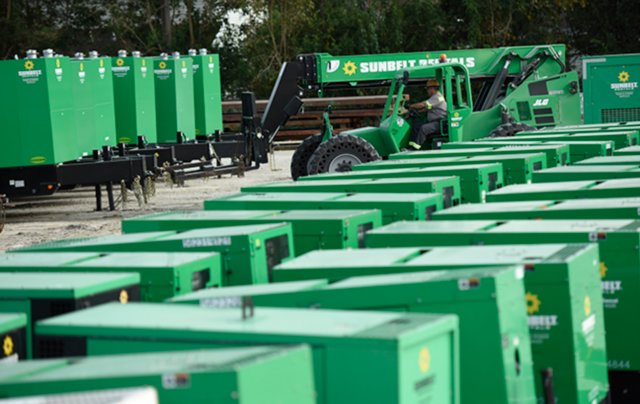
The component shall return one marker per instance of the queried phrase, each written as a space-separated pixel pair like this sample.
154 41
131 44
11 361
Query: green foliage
254 37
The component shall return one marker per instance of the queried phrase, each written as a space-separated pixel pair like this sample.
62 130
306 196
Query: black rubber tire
341 145
510 129
301 156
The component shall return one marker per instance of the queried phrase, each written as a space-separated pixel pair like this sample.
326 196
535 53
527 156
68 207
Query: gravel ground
71 214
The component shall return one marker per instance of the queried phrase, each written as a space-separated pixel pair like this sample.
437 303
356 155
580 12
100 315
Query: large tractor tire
300 159
510 129
340 154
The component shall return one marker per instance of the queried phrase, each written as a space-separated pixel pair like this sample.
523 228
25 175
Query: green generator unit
557 155
448 186
610 88
587 172
489 303
628 151
207 92
518 168
247 253
312 229
578 150
13 336
620 138
394 207
94 102
162 275
619 268
567 190
135 97
41 295
175 108
475 180
601 208
241 375
357 356
612 160
563 296
37 115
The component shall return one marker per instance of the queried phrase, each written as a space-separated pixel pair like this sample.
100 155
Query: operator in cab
436 108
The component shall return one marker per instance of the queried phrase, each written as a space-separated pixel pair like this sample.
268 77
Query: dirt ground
71 214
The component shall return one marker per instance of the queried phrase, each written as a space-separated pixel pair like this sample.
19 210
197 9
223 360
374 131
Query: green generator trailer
578 150
601 208
619 246
564 301
207 92
610 88
134 94
357 356
174 99
236 375
162 275
312 229
584 172
621 139
557 154
628 151
517 168
489 303
93 99
394 207
13 336
475 180
247 253
41 295
519 86
567 190
448 186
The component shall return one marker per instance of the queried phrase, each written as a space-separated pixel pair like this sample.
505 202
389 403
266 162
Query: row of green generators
578 150
247 254
393 207
476 180
517 168
590 189
234 375
371 356
312 229
59 109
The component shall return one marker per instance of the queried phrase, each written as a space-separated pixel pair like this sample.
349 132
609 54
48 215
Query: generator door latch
247 307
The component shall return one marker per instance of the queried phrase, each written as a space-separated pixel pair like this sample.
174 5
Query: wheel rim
343 162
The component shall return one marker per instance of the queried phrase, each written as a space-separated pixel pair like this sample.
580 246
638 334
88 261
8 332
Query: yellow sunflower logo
603 269
162 65
533 303
124 297
81 67
7 346
587 306
424 360
119 62
349 68
623 76
28 65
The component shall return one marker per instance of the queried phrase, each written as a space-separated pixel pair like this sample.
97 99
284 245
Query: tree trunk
166 22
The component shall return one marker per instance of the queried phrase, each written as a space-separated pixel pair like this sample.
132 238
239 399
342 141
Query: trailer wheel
341 153
300 159
510 129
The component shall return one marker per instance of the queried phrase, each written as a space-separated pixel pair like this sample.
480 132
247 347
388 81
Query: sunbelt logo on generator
624 88
610 287
350 68
538 321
